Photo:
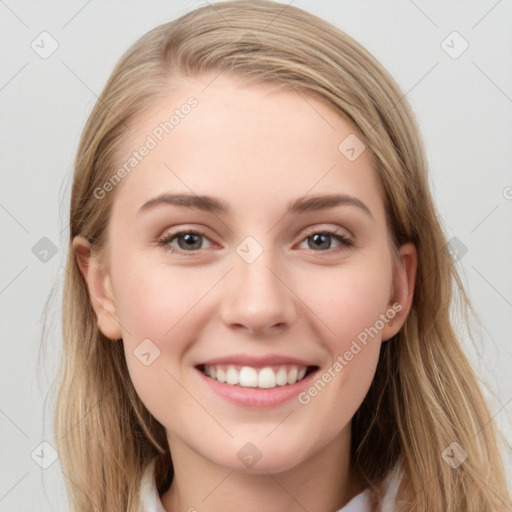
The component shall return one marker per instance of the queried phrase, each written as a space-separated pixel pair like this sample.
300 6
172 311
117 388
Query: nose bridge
258 298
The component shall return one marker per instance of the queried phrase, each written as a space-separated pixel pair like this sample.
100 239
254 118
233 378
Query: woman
257 371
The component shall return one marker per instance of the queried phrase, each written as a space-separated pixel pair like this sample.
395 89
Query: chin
251 459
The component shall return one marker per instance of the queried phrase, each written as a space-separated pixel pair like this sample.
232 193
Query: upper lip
255 361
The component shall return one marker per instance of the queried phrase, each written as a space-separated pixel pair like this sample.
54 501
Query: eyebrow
211 204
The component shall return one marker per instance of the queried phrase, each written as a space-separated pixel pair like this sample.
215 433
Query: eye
323 239
188 241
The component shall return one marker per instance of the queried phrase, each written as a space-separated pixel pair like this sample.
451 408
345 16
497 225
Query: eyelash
345 243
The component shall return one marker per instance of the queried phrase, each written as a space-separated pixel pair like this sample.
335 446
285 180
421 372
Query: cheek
348 299
161 304
349 303
350 310
156 300
156 303
170 306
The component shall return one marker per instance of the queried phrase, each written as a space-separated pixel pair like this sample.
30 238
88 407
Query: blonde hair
425 394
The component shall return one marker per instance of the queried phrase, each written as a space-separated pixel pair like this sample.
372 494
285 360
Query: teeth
221 375
265 378
292 375
248 377
232 376
282 377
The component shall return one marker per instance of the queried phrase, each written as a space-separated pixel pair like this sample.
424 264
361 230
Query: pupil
322 239
190 239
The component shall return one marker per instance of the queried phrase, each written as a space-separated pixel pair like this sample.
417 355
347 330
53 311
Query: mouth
267 377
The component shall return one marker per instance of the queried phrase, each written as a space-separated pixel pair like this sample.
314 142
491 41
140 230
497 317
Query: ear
402 293
100 288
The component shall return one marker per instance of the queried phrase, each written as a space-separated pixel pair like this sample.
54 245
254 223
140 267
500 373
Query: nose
257 298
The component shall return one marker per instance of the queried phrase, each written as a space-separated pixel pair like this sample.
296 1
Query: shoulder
149 499
390 485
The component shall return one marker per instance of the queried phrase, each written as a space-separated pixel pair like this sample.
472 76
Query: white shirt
150 500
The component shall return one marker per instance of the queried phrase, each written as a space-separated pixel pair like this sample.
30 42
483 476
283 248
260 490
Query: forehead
251 144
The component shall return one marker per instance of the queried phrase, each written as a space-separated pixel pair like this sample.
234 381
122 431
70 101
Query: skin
256 147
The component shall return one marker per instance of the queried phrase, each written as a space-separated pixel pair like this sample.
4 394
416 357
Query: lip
255 361
256 397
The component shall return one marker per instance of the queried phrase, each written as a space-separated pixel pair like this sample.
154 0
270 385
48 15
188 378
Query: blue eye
322 240
191 241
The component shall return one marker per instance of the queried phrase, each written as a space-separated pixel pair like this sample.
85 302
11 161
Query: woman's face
283 272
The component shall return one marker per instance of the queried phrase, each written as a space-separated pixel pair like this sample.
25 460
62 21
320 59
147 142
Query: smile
267 377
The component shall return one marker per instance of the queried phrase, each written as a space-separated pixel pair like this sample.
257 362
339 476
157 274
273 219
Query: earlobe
99 287
402 294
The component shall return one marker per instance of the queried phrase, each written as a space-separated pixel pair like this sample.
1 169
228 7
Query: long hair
425 395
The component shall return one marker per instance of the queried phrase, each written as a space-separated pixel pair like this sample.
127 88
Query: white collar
150 499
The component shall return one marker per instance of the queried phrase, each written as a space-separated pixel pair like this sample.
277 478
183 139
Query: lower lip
257 397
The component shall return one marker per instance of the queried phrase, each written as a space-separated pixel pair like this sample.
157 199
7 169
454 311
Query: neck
322 482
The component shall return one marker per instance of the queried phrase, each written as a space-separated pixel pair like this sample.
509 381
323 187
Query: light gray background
463 105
